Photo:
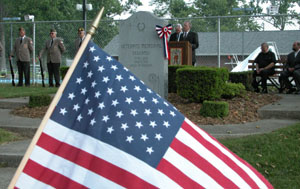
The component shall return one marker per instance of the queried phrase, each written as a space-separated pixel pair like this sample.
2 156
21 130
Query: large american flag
109 130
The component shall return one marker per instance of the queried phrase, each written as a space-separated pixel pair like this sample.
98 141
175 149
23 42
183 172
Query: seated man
292 59
265 62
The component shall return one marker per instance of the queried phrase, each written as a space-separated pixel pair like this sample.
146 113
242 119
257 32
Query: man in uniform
176 35
79 40
292 60
265 62
54 48
192 37
22 50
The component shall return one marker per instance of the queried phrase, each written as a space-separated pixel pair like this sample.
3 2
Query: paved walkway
274 116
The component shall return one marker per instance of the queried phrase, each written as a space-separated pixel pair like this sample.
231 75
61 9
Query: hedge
214 109
39 100
232 90
242 77
172 86
63 71
201 83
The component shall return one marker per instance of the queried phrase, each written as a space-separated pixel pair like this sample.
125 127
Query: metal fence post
11 33
219 42
33 54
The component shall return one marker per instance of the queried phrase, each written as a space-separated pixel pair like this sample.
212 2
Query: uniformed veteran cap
80 29
52 30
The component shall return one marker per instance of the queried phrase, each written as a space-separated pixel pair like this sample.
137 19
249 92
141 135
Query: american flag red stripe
220 154
91 162
49 176
175 174
51 144
202 164
240 166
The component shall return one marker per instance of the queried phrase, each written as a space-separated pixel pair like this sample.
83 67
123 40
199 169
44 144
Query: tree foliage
285 7
64 10
206 8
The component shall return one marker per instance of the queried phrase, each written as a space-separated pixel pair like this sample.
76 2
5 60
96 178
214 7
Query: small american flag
109 130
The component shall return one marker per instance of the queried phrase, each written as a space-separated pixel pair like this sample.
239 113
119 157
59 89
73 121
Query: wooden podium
180 53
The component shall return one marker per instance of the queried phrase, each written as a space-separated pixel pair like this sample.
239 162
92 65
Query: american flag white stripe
187 168
189 141
109 154
67 168
256 179
27 182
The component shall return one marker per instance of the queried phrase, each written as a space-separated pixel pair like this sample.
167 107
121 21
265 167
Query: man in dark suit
79 40
22 50
293 59
54 47
190 36
265 62
177 34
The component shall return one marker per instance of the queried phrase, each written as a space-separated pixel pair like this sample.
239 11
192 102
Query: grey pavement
6 175
11 103
274 116
287 108
250 128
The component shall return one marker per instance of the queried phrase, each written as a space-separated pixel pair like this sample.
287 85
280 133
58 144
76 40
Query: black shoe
256 90
57 85
51 86
291 90
297 92
265 91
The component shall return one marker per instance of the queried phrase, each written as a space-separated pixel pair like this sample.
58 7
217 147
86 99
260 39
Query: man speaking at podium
190 36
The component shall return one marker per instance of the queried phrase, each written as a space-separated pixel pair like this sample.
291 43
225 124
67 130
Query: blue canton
104 100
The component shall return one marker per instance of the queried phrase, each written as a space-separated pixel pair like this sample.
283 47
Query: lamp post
31 18
84 7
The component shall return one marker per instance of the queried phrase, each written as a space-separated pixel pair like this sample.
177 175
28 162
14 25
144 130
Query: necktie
21 40
184 36
51 43
80 42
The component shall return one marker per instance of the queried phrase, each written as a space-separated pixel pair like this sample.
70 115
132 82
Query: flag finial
95 23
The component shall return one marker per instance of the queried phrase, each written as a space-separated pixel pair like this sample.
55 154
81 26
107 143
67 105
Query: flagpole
56 98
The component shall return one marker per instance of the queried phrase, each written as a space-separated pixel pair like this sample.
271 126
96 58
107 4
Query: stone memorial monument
141 50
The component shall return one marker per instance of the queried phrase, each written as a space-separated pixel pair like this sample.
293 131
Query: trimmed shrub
214 109
242 77
232 90
172 87
201 83
63 71
39 100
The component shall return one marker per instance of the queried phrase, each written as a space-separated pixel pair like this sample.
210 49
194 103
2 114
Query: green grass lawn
8 91
276 155
6 136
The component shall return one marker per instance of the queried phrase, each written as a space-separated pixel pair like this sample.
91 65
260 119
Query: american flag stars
96 58
105 95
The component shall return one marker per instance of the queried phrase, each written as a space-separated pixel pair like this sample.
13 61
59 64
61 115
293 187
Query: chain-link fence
223 41
39 32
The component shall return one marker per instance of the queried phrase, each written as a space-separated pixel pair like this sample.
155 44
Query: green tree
206 8
65 10
285 7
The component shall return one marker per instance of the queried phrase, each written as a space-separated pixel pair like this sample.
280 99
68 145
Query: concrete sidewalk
274 116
